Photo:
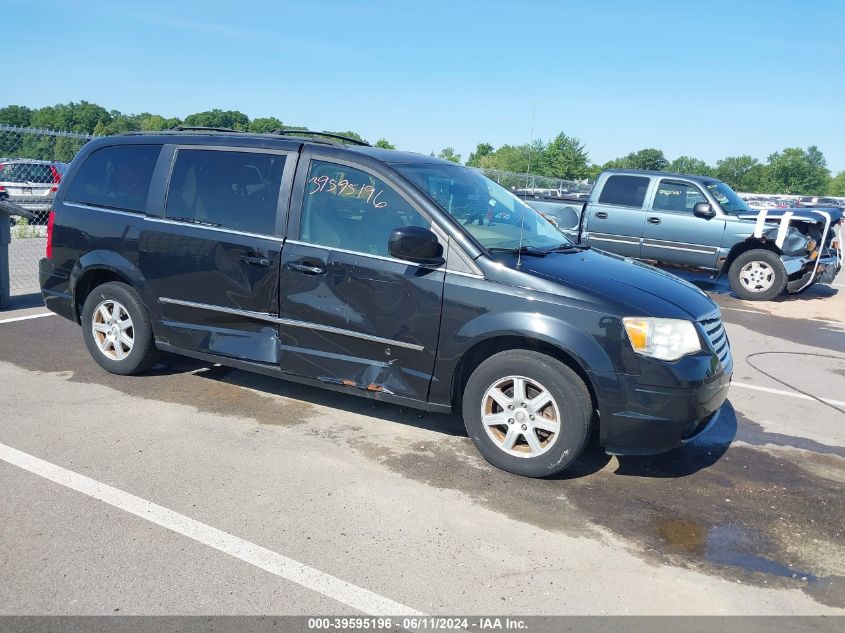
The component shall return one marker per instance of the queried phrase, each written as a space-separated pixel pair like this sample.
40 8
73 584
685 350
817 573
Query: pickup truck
700 222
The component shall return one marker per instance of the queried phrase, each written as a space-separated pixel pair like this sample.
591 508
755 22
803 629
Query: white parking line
27 317
784 392
268 560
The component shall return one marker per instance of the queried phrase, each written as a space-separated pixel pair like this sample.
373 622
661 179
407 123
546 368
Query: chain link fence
542 185
32 164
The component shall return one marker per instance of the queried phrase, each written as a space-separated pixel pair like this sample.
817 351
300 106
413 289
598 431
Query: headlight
666 339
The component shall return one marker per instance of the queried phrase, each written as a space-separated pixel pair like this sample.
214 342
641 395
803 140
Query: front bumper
825 273
637 419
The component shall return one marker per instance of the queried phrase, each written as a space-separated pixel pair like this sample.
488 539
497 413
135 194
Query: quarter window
117 177
677 196
350 209
626 191
229 189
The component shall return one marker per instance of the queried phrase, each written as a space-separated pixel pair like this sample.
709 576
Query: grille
717 336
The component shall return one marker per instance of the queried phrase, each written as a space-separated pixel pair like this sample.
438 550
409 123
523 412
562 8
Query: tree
449 154
383 143
481 150
649 159
263 125
690 165
219 118
837 185
743 173
797 171
15 115
565 157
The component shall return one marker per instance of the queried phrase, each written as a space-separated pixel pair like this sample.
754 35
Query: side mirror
416 244
703 210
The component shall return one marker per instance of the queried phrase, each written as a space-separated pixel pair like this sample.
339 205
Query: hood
644 289
801 214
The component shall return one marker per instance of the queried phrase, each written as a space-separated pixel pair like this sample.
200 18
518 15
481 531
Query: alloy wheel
520 416
113 330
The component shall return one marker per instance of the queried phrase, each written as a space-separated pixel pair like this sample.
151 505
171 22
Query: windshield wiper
519 250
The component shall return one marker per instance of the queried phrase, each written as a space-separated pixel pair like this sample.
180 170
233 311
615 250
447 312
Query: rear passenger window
626 191
677 196
117 177
350 209
231 189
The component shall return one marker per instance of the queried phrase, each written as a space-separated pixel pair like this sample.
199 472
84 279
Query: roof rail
339 137
201 128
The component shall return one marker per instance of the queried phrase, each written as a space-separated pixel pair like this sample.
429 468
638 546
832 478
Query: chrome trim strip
633 242
89 207
383 258
265 316
334 249
661 244
461 273
219 229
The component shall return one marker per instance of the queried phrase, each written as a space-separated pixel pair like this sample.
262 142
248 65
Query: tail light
57 178
48 253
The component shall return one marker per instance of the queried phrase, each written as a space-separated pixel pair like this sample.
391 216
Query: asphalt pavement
197 489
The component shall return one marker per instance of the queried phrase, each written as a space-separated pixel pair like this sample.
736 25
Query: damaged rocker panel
265 316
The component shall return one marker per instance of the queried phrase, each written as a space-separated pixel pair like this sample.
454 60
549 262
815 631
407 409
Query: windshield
727 198
487 211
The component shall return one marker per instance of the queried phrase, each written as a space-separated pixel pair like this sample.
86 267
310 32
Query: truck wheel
757 275
527 413
116 329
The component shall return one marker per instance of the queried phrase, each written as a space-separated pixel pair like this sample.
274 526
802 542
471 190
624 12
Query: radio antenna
527 176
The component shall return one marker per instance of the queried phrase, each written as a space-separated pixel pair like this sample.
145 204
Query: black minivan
388 274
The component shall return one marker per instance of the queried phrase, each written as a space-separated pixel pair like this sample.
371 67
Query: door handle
601 215
308 269
255 261
654 220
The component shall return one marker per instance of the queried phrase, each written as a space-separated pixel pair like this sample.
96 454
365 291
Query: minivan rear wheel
527 413
116 329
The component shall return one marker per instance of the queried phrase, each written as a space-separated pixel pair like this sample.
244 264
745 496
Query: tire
486 395
100 329
757 275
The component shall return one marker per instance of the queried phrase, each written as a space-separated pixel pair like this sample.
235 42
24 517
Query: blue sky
691 78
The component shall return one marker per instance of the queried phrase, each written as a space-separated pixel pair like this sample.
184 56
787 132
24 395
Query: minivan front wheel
116 329
757 275
527 413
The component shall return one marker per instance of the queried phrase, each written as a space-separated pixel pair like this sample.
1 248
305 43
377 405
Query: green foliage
649 159
836 187
219 118
481 150
15 115
690 165
448 153
742 173
793 171
263 125
797 171
23 230
565 157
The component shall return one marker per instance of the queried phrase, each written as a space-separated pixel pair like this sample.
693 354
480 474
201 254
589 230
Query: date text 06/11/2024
430 623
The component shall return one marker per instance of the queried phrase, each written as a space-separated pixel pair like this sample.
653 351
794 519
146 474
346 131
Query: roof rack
201 128
332 135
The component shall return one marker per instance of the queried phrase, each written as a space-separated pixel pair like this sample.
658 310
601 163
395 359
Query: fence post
5 240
